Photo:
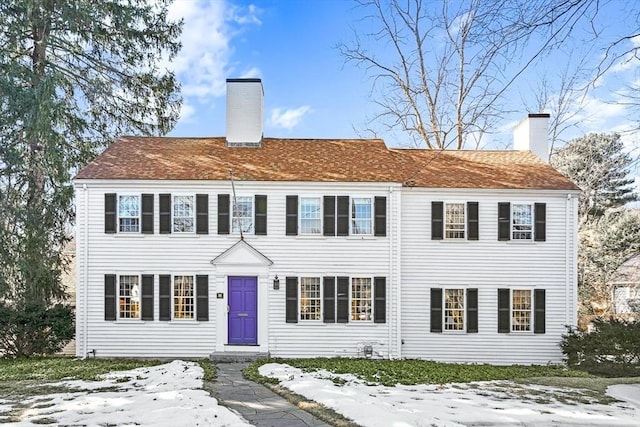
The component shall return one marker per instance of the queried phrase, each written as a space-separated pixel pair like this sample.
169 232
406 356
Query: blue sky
311 93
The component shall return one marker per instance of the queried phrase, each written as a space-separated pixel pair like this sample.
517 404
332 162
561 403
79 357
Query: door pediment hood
242 253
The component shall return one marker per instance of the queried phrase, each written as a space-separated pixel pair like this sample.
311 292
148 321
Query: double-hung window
183 214
521 221
361 298
129 297
454 221
183 297
128 214
310 298
242 214
310 215
361 216
521 307
454 309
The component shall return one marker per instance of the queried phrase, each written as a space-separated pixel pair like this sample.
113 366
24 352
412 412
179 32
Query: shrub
611 349
34 329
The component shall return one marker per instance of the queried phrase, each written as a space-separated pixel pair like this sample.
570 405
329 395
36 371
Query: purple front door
243 310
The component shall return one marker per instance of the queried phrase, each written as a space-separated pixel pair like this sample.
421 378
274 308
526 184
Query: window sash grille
361 216
522 221
310 298
310 215
129 297
521 310
454 309
455 221
361 299
183 214
183 297
242 214
128 214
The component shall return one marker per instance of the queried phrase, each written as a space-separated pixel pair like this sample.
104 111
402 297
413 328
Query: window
242 214
521 221
183 297
521 310
361 299
454 310
129 214
310 300
129 297
183 214
361 222
454 221
310 215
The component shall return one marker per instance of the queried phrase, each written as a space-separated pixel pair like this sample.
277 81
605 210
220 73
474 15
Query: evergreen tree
73 75
598 164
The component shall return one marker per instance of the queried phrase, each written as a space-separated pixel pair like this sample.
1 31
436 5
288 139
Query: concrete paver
256 403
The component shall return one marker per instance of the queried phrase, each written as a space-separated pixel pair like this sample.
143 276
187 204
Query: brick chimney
532 134
245 98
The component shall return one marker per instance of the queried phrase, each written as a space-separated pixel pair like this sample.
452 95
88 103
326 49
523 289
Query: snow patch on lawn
165 395
500 402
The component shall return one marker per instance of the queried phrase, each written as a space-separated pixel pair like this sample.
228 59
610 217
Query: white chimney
532 134
244 112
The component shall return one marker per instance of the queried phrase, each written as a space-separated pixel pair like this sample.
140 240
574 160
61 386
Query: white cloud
288 119
186 111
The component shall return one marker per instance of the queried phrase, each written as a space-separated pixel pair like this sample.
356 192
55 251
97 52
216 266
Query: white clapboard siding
486 264
192 254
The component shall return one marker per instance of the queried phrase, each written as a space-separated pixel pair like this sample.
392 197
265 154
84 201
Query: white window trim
321 319
195 213
531 310
195 297
371 217
372 299
139 195
253 214
312 196
533 221
444 221
464 311
128 319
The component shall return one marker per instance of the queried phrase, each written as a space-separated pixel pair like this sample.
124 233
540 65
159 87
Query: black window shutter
329 300
540 231
380 224
147 297
503 311
261 215
223 214
147 214
109 297
292 300
436 310
165 297
380 299
504 221
539 315
110 213
342 300
329 215
165 213
472 221
437 225
202 297
472 310
292 216
343 216
202 214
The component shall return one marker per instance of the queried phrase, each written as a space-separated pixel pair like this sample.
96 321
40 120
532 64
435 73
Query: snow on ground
484 403
165 395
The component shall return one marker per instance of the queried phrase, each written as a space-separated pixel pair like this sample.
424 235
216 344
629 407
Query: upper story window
454 221
310 300
522 221
128 214
129 297
361 216
183 297
310 215
183 214
242 214
361 298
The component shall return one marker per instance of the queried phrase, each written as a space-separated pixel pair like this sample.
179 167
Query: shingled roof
320 160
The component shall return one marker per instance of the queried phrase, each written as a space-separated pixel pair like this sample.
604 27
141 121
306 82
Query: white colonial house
188 247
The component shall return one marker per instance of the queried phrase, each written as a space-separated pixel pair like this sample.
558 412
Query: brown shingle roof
327 160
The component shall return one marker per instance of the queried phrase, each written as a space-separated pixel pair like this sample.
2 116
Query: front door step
236 356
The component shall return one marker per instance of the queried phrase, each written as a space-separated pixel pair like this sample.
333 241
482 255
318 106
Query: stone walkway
256 403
